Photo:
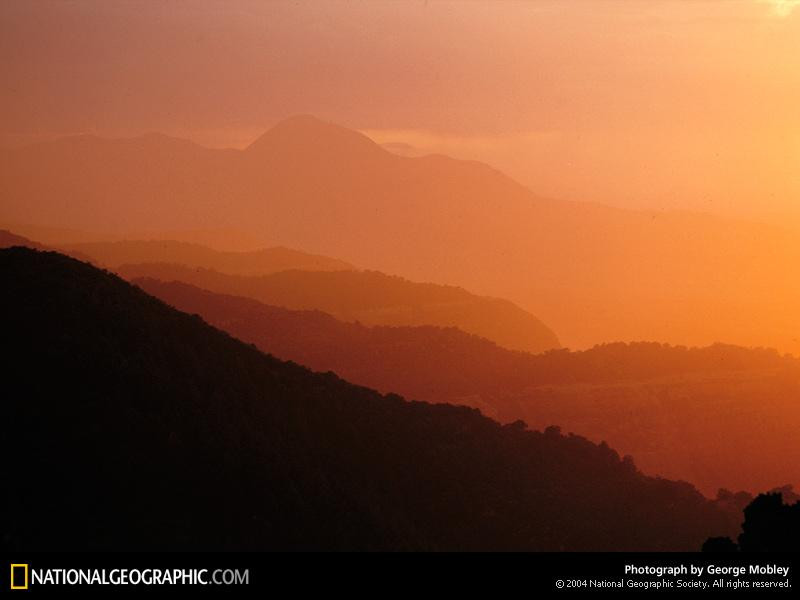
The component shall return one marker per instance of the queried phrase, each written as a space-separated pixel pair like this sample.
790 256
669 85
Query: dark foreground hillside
131 425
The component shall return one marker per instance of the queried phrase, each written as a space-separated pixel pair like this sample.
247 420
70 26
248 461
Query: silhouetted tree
769 526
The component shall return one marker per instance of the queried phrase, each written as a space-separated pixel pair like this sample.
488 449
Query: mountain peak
306 134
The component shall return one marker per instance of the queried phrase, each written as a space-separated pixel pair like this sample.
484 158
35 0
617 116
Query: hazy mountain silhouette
135 426
592 272
733 428
436 364
222 239
372 298
683 413
9 239
402 148
304 137
260 262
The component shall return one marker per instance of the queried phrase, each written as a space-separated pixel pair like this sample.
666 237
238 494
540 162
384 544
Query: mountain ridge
371 297
306 133
590 271
190 439
684 413
255 262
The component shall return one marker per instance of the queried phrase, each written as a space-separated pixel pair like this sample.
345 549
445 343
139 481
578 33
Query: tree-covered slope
131 425
720 416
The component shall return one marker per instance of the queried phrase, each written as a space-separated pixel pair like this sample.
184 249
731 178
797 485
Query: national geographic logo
22 576
19 576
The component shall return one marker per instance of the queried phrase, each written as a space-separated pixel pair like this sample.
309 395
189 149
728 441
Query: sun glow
783 8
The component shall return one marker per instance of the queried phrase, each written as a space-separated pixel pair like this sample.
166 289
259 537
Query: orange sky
657 103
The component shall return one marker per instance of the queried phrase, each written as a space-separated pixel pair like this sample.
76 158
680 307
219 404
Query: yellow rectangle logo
15 583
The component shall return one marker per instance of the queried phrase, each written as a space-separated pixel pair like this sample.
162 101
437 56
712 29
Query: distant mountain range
592 272
371 298
437 364
9 239
138 427
259 262
222 239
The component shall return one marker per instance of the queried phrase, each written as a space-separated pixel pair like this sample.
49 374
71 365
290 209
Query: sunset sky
656 104
579 217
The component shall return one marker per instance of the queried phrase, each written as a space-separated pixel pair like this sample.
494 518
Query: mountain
371 298
133 426
720 417
9 239
402 149
259 262
217 238
437 364
718 429
592 272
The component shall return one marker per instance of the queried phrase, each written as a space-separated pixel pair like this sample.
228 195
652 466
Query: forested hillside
157 431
